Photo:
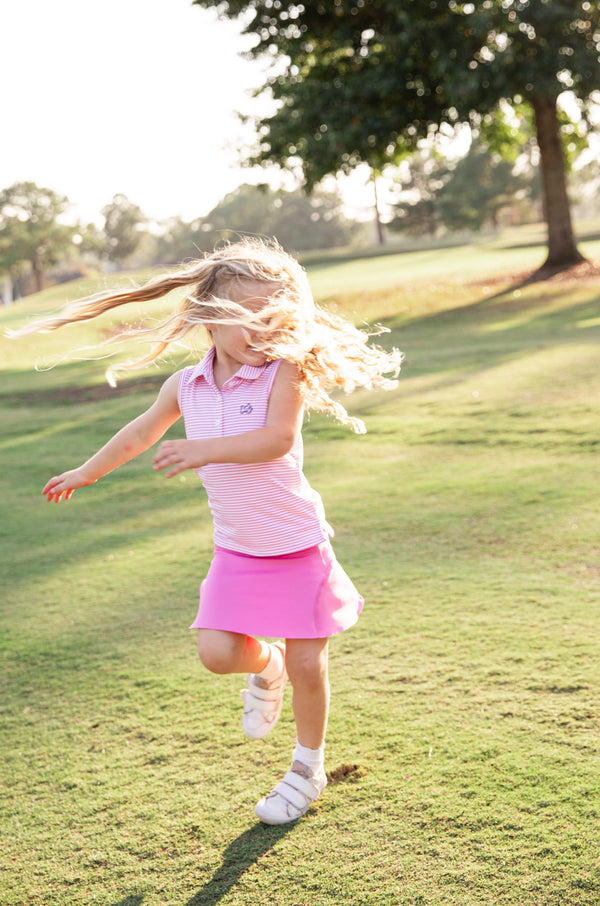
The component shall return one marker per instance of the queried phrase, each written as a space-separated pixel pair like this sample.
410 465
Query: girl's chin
255 357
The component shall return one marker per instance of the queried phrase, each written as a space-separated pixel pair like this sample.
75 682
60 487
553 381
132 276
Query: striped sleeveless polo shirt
263 509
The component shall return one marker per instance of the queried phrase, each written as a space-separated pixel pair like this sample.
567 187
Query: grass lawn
464 739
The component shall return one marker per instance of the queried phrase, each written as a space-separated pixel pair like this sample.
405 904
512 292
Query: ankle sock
312 758
274 665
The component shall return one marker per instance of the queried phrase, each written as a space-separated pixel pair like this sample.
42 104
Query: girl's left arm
284 421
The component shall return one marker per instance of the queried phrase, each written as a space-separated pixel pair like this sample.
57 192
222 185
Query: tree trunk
38 273
378 224
562 250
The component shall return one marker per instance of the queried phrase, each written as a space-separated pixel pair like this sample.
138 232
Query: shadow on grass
239 856
134 899
74 387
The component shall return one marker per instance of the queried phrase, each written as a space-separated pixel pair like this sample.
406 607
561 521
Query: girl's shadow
238 858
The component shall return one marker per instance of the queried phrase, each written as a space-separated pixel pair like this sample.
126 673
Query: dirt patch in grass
344 772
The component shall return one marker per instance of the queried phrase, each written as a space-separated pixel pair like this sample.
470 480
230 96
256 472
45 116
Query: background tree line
37 240
432 195
373 83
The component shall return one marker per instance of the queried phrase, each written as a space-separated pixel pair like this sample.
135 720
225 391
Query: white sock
312 758
274 664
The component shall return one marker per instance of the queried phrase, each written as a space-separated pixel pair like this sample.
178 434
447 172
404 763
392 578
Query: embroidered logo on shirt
245 409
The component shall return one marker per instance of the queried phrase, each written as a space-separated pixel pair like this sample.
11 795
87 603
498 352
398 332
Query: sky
136 97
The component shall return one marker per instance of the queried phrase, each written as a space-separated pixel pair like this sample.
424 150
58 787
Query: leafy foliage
299 222
363 81
467 196
416 211
481 185
122 221
30 230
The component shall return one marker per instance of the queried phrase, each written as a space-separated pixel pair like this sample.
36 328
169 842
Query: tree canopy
122 222
30 229
468 195
364 81
299 222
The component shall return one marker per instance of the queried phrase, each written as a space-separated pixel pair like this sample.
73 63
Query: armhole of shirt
272 374
182 377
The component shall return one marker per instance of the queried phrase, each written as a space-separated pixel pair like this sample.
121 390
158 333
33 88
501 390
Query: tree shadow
583 236
239 856
73 386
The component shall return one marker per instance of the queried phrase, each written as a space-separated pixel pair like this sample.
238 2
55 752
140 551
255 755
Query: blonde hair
330 352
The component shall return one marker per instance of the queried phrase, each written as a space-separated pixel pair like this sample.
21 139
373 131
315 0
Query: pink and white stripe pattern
263 509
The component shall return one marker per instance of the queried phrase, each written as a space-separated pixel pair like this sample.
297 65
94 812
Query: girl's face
234 342
233 345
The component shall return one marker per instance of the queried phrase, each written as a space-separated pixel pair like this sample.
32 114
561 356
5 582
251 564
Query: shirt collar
204 369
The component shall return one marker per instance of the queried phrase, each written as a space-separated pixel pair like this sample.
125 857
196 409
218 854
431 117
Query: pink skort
303 595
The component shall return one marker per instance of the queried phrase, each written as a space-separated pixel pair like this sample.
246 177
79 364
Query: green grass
465 728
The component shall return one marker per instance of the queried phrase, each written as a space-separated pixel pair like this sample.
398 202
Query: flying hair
255 284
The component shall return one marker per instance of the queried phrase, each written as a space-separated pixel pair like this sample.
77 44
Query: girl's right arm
126 444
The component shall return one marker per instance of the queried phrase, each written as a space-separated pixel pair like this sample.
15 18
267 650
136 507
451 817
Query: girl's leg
306 662
232 652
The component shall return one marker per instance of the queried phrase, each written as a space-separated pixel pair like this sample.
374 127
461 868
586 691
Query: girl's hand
179 455
63 485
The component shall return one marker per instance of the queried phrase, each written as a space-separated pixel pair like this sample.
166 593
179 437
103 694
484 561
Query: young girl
274 353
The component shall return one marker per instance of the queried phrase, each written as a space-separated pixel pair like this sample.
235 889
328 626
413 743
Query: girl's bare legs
232 652
306 663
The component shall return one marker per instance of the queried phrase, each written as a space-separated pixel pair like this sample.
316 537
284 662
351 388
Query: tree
305 223
416 212
363 81
467 194
248 209
30 230
297 221
122 222
586 185
480 186
180 239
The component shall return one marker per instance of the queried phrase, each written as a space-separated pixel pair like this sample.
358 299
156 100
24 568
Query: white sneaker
263 701
293 796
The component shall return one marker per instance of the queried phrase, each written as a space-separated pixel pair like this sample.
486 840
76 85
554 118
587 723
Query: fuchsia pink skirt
303 595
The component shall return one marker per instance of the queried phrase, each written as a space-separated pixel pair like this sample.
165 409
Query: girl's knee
306 662
219 651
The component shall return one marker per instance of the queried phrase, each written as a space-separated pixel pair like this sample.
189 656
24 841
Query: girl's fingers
173 466
170 459
166 458
54 493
